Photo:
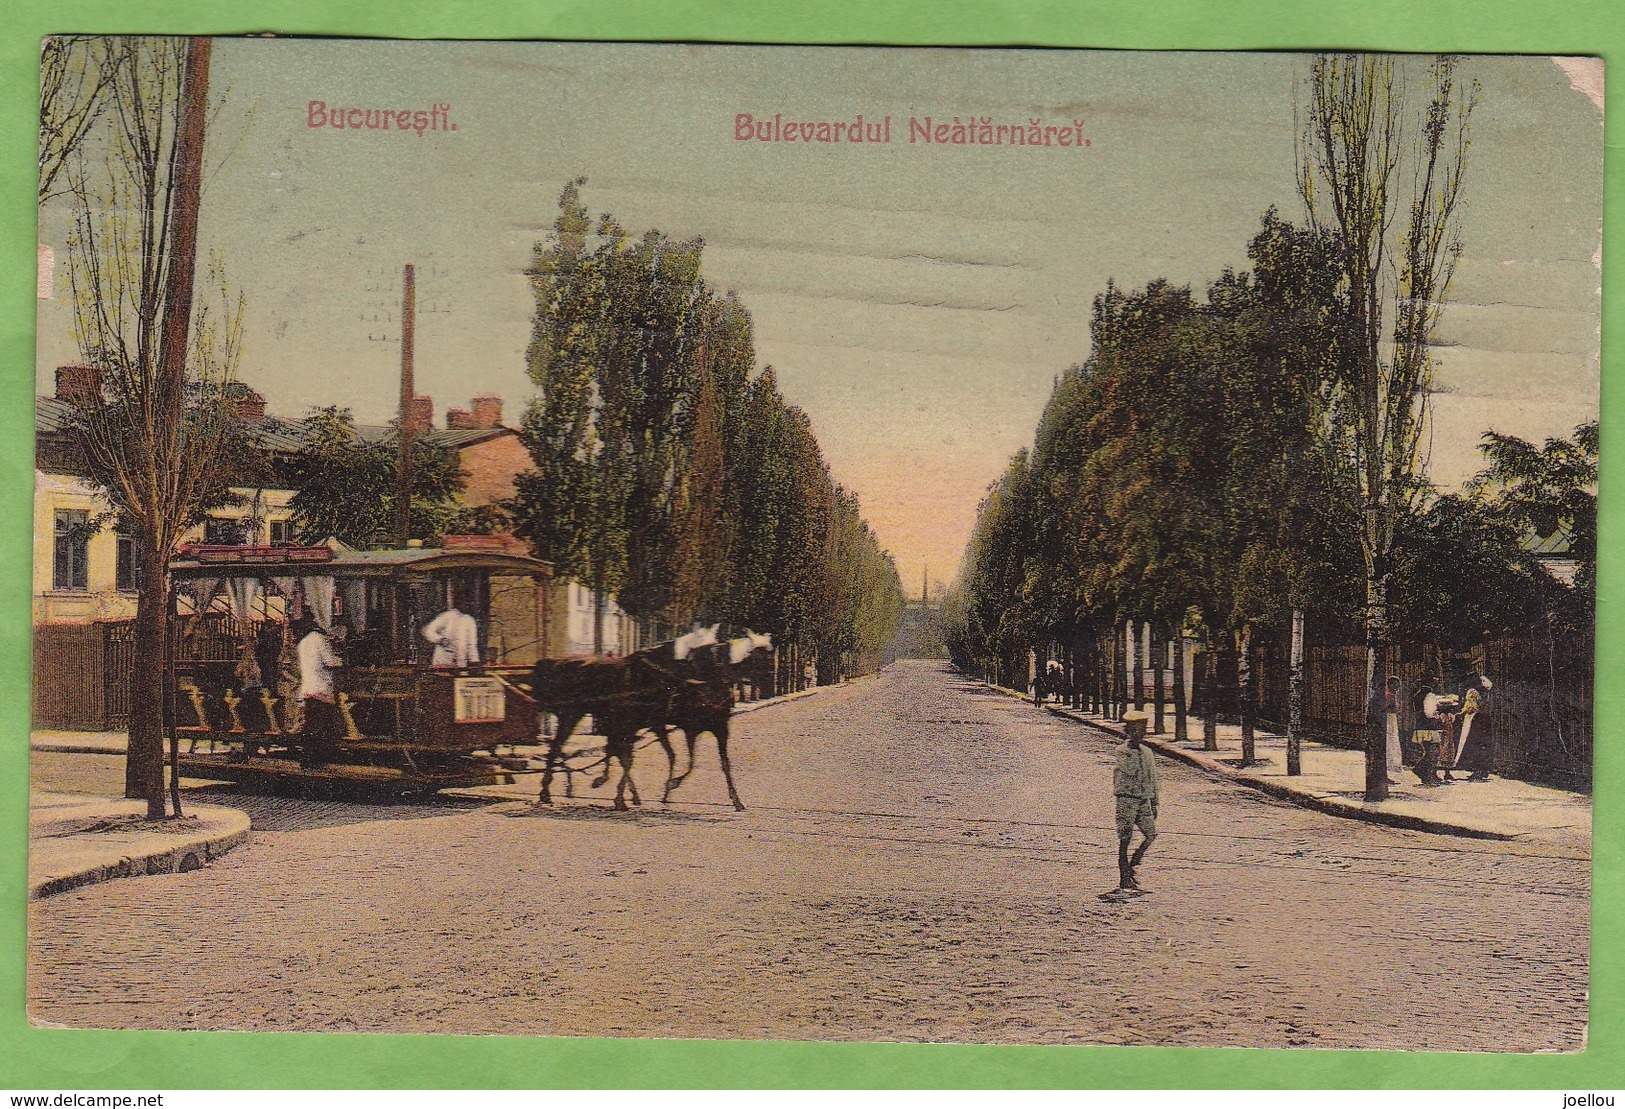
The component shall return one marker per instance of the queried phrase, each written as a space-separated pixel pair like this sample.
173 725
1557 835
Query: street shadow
974 688
310 809
588 812
1247 764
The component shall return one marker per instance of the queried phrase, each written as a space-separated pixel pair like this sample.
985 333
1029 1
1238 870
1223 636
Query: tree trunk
1114 677
1136 648
1376 657
144 758
1294 726
1125 646
598 612
1244 689
169 712
1210 691
1097 674
1157 682
1181 724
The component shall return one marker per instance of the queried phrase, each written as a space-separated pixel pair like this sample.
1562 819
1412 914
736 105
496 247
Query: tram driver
455 635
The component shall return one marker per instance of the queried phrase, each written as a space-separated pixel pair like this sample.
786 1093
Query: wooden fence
82 671
70 677
1538 715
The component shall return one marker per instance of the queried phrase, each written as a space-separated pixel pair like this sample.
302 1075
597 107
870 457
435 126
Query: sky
917 300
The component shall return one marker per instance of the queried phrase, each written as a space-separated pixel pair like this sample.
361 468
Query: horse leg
555 751
621 750
721 732
664 739
691 736
610 749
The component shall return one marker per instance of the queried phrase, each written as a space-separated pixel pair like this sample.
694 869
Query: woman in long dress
1396 755
1474 756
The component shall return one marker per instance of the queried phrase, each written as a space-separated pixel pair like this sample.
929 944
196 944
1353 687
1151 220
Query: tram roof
344 563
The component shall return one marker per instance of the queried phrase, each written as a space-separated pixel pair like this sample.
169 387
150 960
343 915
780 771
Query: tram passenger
455 635
317 661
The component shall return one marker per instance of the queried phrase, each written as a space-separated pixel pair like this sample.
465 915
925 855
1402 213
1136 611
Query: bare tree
153 441
75 74
1350 165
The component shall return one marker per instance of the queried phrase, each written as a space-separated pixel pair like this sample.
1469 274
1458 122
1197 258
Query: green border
68 1060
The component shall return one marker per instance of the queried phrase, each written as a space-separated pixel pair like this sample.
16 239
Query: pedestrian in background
1475 754
1429 724
1396 757
1138 794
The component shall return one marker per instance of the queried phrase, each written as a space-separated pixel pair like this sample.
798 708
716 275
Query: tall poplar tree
1398 248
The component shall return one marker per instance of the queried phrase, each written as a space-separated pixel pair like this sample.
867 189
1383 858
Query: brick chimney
420 417
459 419
487 410
248 405
79 384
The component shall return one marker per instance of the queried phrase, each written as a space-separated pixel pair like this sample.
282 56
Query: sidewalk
90 743
76 839
1333 782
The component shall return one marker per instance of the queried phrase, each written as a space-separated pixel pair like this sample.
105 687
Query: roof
1559 544
452 438
346 563
52 417
281 435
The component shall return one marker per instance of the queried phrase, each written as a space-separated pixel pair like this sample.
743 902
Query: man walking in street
1135 784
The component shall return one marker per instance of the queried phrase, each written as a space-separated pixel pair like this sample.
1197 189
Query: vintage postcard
962 545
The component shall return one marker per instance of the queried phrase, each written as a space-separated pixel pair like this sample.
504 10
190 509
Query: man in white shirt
456 638
317 661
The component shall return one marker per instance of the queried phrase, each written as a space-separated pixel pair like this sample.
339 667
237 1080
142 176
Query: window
69 569
282 533
129 560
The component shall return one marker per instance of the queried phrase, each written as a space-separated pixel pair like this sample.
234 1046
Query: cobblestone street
920 861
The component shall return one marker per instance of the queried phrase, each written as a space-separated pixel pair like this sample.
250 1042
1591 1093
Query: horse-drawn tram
407 684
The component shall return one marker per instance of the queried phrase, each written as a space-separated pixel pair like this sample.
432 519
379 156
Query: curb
1332 806
177 857
755 706
752 706
74 749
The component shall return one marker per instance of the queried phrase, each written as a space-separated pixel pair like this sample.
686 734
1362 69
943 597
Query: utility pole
408 394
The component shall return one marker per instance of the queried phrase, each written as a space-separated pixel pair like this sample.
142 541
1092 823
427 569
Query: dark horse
705 702
623 695
689 687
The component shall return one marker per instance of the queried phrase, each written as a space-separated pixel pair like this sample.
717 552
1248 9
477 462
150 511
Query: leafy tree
347 486
1349 168
1463 578
1542 489
672 472
565 506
